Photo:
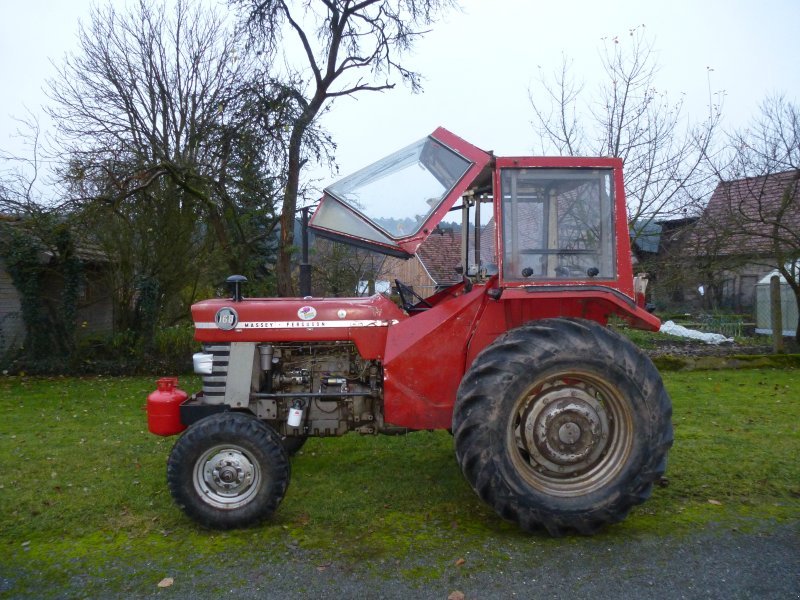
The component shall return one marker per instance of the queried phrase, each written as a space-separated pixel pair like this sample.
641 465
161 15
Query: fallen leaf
323 567
166 582
460 562
456 595
715 502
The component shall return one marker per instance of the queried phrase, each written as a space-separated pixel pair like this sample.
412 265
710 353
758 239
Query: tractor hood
393 205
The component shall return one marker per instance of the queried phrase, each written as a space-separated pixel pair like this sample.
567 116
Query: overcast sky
480 64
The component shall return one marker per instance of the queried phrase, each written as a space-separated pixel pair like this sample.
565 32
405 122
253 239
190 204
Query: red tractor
558 422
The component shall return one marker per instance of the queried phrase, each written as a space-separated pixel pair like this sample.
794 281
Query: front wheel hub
565 430
227 477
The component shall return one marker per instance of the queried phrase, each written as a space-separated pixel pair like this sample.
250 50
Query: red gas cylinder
164 407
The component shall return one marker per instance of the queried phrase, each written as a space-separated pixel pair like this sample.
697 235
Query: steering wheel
407 294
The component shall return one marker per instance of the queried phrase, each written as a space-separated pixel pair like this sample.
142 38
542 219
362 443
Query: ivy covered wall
48 277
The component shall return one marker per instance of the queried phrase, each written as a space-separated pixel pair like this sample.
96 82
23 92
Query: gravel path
722 564
710 565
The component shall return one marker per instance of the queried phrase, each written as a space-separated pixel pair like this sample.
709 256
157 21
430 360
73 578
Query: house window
728 293
747 290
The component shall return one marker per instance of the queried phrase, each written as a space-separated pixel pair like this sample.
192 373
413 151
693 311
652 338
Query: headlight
203 363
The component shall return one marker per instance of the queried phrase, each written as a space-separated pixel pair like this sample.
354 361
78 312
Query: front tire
562 424
228 470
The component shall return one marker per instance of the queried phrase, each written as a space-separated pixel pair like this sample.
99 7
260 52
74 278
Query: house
433 267
435 264
748 227
94 309
657 249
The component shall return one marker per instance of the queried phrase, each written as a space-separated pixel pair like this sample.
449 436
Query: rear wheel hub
565 430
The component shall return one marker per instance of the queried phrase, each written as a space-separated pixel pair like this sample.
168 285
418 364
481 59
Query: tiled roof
85 249
488 254
441 254
741 214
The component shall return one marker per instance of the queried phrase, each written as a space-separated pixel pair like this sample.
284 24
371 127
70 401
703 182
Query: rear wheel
228 470
562 424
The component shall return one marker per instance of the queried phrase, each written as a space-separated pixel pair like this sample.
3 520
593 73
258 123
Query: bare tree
628 117
39 254
347 47
19 175
342 269
756 207
153 96
173 136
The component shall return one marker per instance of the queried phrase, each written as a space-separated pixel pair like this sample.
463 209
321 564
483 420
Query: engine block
333 387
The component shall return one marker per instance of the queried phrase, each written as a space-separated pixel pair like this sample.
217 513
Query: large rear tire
228 470
562 424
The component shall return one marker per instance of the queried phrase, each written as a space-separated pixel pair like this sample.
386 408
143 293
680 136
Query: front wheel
562 424
228 470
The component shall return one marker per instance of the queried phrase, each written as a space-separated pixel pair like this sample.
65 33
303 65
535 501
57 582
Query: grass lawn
83 492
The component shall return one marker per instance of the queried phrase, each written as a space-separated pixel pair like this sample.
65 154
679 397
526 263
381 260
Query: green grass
83 495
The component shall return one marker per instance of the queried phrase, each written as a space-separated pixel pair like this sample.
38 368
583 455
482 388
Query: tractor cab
533 221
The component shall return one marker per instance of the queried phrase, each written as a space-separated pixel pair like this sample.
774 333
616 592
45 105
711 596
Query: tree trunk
283 267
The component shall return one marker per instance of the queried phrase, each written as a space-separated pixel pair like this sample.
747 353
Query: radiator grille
214 384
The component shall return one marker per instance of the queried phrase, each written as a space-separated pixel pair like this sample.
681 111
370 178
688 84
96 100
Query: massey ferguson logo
226 318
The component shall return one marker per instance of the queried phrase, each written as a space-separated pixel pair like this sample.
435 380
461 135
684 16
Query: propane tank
164 407
295 414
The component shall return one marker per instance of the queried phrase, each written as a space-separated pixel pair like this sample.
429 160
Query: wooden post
776 313
305 267
466 201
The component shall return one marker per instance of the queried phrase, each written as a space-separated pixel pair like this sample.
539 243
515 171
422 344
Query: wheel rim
227 477
570 433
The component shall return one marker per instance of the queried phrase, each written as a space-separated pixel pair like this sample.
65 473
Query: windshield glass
557 223
398 193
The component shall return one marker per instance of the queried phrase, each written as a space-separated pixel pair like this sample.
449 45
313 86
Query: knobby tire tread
243 430
516 354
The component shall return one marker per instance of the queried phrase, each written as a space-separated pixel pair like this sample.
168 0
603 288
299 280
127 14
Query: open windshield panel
557 221
393 205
